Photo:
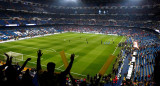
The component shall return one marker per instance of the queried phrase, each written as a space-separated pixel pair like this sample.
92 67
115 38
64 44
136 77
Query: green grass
89 57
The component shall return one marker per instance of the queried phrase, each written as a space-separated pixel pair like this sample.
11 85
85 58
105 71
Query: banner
64 59
135 44
106 65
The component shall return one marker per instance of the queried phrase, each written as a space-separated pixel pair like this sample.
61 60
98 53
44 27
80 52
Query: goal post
17 57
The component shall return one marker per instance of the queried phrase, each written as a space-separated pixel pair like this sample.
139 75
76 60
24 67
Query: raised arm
24 64
7 62
39 53
69 66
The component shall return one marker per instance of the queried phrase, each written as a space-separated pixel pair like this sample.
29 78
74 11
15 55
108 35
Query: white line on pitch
117 46
78 74
60 66
53 50
60 69
71 72
63 64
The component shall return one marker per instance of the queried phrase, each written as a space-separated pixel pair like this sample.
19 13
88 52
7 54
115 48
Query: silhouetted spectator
49 78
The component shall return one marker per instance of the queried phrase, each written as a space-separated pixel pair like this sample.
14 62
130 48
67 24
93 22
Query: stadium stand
137 66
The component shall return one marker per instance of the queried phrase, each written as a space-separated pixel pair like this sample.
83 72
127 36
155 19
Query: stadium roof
99 2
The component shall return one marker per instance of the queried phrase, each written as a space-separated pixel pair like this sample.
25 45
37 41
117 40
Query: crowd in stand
10 33
7 34
41 7
22 19
44 15
11 74
21 32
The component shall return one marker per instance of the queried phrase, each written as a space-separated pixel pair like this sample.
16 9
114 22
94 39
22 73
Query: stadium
79 42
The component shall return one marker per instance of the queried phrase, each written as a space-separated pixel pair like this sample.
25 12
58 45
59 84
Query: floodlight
71 0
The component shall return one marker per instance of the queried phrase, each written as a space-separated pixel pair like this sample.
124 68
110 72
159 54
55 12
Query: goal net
17 57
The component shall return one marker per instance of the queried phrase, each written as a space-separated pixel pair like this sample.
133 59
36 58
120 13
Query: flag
64 59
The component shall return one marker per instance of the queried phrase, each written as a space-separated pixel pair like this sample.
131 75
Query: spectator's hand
11 58
28 59
72 57
7 61
6 55
39 53
10 61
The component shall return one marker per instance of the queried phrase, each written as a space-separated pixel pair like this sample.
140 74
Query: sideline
11 40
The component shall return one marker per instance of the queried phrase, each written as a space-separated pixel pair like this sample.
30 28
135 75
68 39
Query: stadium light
135 0
12 25
30 24
71 0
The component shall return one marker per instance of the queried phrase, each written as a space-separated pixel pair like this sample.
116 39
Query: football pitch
89 58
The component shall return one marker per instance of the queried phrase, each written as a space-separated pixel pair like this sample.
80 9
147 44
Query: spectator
49 78
11 73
